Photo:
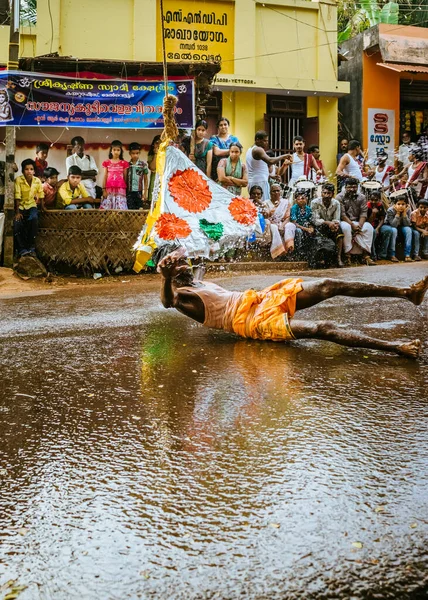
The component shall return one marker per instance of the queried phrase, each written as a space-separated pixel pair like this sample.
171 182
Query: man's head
406 137
315 151
134 151
381 156
343 145
78 144
354 145
351 186
74 176
275 194
42 151
28 168
51 176
298 144
262 139
415 153
301 199
174 254
327 192
423 207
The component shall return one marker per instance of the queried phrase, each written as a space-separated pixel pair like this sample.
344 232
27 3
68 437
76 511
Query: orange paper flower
243 211
190 190
170 227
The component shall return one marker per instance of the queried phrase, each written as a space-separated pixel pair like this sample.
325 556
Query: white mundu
353 168
258 173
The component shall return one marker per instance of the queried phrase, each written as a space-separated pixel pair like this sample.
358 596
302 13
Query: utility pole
10 143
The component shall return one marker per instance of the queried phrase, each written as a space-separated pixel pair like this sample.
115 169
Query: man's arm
260 154
344 161
363 210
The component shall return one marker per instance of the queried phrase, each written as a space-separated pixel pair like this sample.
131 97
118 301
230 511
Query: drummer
383 171
301 163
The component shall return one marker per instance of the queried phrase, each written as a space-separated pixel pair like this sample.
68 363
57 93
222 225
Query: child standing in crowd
376 217
419 220
50 187
397 220
301 216
42 151
114 182
28 193
137 181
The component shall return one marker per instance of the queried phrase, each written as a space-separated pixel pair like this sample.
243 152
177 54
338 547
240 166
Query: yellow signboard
198 31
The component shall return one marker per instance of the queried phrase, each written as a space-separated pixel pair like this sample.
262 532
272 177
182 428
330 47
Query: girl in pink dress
115 172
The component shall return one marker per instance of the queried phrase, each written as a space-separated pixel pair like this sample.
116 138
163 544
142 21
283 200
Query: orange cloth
265 315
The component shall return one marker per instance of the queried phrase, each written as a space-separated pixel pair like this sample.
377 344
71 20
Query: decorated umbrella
189 208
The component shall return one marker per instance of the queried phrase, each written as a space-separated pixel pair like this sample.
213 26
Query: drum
371 186
306 186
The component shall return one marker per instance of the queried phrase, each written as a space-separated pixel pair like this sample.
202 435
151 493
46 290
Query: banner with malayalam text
35 99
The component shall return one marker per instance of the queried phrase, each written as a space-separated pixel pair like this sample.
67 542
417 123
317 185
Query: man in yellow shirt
28 193
72 194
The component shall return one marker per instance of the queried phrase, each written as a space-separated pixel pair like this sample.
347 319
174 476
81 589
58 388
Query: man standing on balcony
85 163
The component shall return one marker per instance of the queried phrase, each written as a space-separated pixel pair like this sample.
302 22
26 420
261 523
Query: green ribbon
212 230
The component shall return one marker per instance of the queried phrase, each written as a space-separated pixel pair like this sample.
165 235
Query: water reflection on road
145 456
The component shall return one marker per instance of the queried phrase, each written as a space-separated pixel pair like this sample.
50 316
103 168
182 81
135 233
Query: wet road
143 456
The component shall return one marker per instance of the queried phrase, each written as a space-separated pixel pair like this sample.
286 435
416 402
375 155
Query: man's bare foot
411 349
416 292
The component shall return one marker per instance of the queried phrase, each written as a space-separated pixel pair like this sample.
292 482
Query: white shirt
258 173
403 152
86 163
379 175
353 168
297 168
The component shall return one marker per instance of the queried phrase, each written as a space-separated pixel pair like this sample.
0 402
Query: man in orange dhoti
267 314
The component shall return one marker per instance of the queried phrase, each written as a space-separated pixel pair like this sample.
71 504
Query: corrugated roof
404 68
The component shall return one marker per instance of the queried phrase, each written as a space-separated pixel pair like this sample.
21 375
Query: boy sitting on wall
72 193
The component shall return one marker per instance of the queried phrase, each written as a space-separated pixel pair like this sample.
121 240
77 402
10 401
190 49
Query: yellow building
279 58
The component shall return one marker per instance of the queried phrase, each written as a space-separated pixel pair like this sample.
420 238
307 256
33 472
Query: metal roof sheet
404 68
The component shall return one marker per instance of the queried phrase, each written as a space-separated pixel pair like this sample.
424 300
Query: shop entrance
413 106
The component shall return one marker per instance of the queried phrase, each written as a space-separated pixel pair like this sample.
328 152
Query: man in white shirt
404 149
85 162
258 163
301 162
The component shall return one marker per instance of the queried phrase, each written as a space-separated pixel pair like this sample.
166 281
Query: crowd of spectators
300 214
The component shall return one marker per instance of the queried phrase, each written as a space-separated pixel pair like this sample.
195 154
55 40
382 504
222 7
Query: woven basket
89 240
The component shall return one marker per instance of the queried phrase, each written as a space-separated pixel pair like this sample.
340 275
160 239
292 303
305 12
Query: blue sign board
35 99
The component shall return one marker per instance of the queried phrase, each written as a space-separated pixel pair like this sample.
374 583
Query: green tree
29 12
354 17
